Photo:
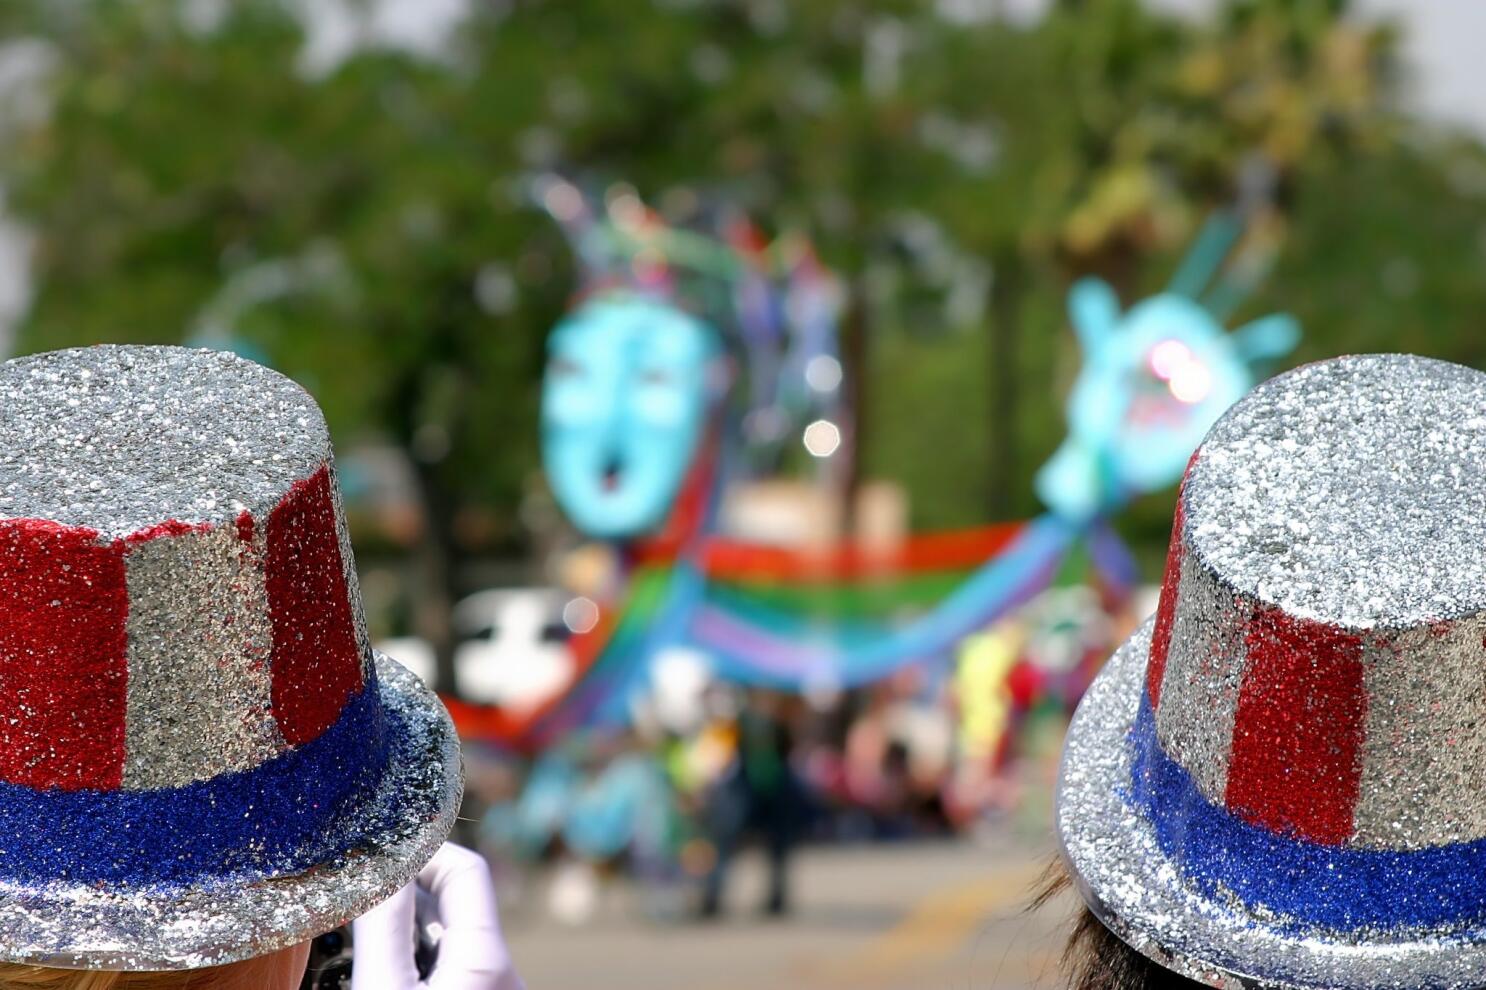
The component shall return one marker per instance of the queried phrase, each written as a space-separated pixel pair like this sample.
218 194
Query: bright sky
1443 46
1443 40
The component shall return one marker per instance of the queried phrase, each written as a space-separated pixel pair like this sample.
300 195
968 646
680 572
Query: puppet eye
1167 357
564 367
1185 376
1191 383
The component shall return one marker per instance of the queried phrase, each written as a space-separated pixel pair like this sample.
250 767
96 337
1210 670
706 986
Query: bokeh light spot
823 373
822 438
1191 382
580 615
1168 358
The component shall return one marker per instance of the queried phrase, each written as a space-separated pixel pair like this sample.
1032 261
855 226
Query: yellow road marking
935 927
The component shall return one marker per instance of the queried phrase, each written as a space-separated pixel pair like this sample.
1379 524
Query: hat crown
1351 492
119 439
1316 656
177 594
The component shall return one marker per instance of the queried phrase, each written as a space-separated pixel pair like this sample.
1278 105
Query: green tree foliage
959 172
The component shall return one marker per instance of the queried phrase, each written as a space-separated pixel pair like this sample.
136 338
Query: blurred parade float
697 434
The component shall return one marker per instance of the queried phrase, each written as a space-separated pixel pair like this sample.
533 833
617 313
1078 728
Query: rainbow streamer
765 651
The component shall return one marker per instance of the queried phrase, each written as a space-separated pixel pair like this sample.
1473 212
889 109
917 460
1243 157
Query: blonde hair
261 973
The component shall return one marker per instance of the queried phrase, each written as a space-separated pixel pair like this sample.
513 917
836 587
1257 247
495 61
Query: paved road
931 916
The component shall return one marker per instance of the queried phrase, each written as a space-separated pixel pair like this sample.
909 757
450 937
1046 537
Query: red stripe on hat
1155 669
64 669
1297 735
168 528
316 660
245 527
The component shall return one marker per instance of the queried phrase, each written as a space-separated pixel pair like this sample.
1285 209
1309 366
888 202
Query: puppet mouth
610 477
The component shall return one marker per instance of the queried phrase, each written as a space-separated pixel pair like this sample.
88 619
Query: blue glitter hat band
279 818
1308 884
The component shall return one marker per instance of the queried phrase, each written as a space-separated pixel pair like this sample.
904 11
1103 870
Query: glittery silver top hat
1281 780
201 759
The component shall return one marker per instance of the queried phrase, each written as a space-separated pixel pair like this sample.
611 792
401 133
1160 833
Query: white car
513 645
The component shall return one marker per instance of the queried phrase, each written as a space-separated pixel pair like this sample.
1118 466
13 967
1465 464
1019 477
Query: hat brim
1139 893
398 827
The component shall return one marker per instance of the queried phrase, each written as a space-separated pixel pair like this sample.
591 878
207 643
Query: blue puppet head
625 402
1154 380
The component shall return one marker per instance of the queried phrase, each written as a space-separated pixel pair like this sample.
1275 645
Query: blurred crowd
950 746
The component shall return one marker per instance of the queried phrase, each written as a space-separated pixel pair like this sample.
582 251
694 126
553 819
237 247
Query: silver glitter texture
1204 668
199 689
120 438
90 927
1424 748
1139 895
348 565
1351 494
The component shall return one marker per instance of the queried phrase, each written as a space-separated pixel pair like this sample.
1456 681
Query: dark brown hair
1094 958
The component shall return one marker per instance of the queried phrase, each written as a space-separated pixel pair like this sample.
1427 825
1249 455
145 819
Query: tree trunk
855 355
436 557
1003 354
437 567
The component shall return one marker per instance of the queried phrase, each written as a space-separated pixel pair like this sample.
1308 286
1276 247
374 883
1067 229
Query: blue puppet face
1153 381
624 404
